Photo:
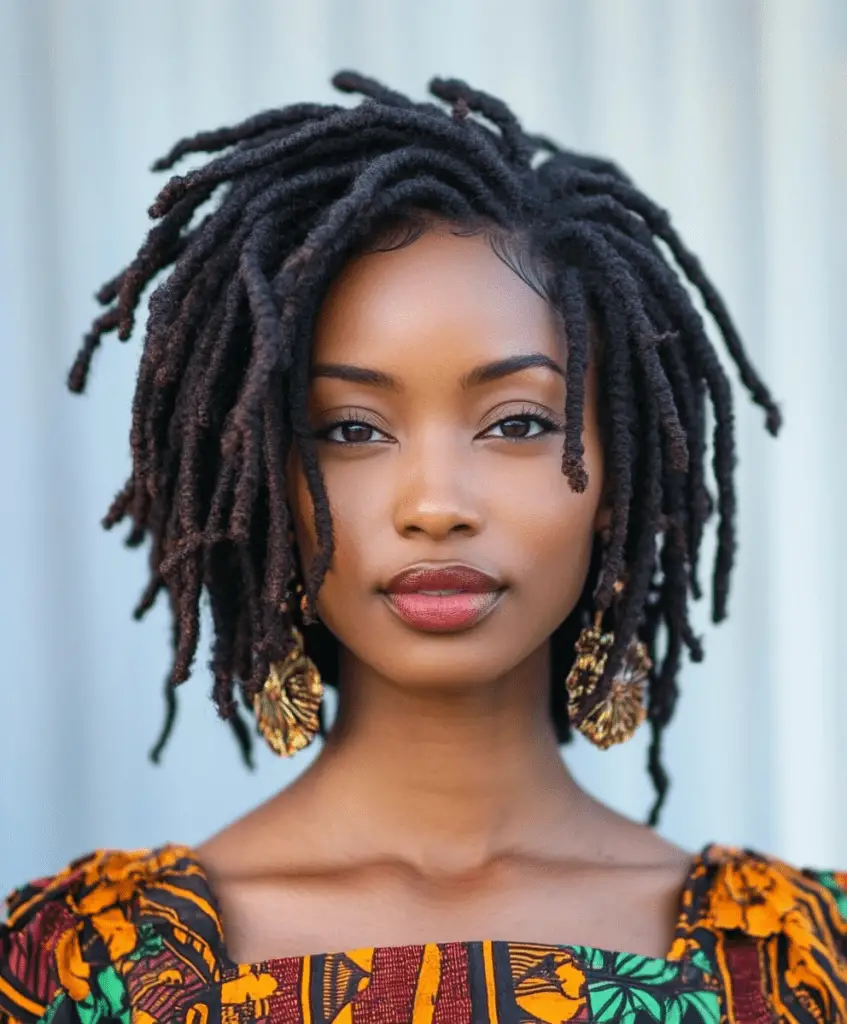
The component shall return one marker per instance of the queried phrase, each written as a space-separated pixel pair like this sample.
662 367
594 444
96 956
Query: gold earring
287 706
616 717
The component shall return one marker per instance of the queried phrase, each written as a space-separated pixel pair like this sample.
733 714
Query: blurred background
732 113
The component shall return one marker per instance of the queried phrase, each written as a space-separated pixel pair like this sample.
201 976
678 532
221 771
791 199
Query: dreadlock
222 387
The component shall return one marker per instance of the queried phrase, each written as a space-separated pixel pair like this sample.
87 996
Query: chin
458 661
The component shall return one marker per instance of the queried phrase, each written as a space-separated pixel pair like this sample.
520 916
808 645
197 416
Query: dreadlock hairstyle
222 387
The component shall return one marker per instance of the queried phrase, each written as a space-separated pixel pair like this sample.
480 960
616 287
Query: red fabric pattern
390 996
749 1003
454 997
161 986
29 955
286 1006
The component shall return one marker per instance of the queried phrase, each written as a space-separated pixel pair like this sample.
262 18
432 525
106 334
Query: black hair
222 386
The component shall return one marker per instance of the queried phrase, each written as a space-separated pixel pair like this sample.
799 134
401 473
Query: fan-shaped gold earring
288 705
615 717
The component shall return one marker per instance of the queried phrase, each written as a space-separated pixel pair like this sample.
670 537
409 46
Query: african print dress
137 937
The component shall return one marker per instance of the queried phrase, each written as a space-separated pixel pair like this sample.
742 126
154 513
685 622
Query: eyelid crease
351 414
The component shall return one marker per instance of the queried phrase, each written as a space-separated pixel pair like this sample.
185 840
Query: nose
435 493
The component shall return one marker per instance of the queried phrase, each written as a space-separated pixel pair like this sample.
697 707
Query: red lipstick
444 598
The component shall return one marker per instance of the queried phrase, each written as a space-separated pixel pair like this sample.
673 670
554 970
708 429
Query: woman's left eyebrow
504 367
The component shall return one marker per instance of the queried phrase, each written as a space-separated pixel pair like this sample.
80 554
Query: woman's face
437 395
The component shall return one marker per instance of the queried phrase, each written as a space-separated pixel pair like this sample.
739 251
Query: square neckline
685 912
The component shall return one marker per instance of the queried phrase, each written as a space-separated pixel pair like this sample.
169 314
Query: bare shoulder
614 840
657 850
272 839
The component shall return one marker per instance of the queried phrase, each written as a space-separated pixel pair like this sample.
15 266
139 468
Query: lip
467 596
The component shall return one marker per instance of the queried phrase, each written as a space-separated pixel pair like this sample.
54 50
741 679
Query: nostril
437 521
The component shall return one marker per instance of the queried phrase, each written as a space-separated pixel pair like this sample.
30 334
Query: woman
422 410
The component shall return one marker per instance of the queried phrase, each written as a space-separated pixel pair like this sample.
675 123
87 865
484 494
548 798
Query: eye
521 428
350 432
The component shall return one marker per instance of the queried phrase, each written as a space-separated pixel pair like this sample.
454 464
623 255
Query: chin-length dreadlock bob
222 385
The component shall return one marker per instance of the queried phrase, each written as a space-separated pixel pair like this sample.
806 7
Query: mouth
444 598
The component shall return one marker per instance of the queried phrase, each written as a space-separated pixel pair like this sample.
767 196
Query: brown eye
520 428
353 432
515 428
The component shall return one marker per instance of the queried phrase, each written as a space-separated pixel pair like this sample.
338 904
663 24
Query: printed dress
137 937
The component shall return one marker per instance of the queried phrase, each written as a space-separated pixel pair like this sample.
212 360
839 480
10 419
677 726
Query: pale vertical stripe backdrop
731 112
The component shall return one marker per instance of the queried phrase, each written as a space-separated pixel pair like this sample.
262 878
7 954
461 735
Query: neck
446 781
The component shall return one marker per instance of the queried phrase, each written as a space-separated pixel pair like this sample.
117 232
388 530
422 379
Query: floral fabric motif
136 938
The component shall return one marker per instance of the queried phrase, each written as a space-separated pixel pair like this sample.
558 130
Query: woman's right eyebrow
356 375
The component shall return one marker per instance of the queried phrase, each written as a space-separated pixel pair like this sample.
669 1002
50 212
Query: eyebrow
500 368
484 374
356 375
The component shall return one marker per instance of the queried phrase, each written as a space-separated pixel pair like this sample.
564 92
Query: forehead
442 296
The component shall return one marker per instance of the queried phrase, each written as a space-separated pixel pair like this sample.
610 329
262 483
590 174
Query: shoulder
68 939
785 925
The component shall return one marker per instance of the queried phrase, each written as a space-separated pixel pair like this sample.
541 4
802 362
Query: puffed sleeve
73 944
47 972
37 925
797 921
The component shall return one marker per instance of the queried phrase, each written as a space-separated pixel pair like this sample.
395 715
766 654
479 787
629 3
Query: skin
439 808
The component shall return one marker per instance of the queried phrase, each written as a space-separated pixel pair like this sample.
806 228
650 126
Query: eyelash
526 415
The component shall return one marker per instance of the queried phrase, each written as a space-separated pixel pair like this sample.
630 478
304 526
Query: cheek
354 511
558 528
557 534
